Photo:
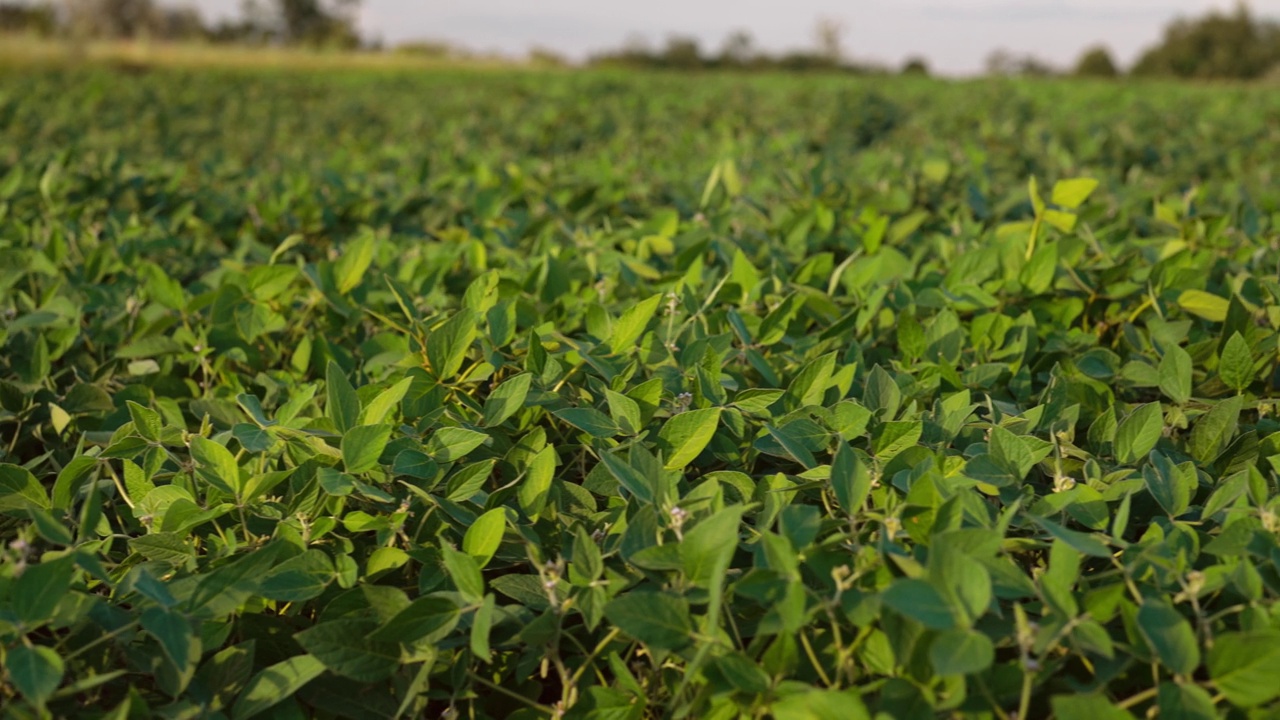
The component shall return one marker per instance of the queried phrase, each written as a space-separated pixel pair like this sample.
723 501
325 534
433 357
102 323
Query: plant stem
1024 700
1138 698
513 695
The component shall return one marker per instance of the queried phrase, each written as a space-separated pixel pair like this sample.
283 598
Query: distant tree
682 53
24 17
1235 46
739 49
109 18
240 30
1000 62
1004 63
829 37
916 66
131 19
178 23
1096 62
545 57
306 22
635 52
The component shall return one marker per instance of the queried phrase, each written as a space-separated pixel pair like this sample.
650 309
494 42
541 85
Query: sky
955 36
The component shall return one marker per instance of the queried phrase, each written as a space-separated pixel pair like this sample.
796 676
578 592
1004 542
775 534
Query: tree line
1218 45
1236 45
293 22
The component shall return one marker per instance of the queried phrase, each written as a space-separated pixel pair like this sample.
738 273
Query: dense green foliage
1237 45
607 396
1096 62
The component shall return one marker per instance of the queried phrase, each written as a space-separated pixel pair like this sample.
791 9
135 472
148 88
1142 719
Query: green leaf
881 394
345 647
343 405
631 479
448 344
809 385
1085 543
35 671
72 476
415 464
362 446
961 652
850 479
774 327
19 489
1175 375
480 627
628 328
1137 434
1185 702
586 555
146 421
707 549
818 704
465 572
379 410
276 683
454 443
895 436
424 617
1203 305
1086 706
337 484
589 420
355 261
216 464
1215 429
252 438
919 601
742 672
793 447
1164 482
485 535
252 407
684 436
165 547
506 399
1245 665
1064 221
299 578
176 637
1169 635
233 583
1072 193
658 620
963 581
224 675
35 594
756 400
1235 365
625 412
536 486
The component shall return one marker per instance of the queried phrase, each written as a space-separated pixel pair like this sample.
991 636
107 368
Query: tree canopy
1235 45
1096 62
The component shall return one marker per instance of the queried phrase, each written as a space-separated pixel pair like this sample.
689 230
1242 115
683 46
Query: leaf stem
600 646
513 695
1138 698
813 658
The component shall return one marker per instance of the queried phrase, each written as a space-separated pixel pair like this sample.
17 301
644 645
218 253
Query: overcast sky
954 35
